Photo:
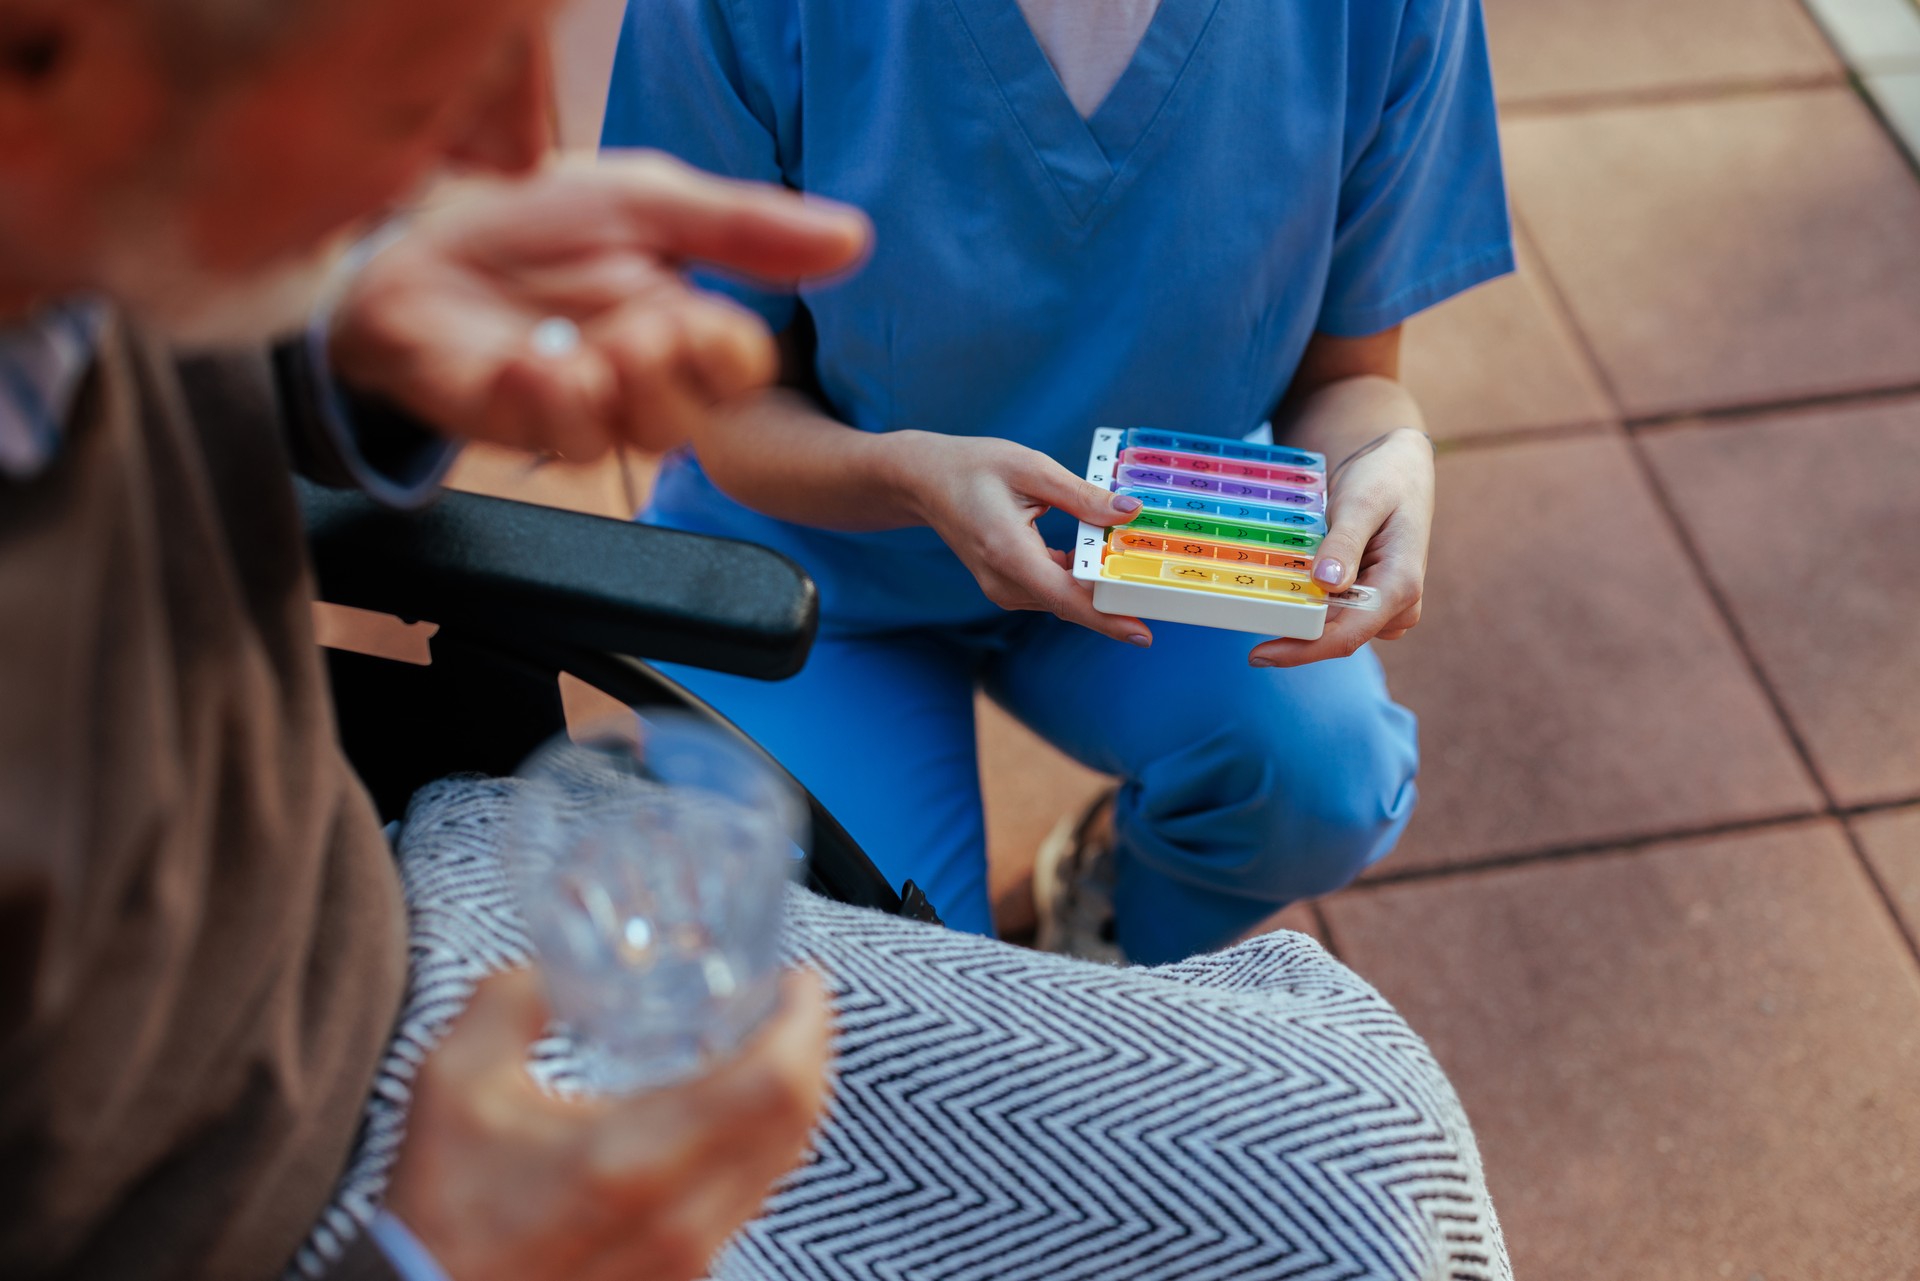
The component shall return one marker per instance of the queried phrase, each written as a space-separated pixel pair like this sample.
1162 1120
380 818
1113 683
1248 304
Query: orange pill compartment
1128 541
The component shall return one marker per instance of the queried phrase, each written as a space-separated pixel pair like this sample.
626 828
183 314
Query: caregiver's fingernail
1330 572
1141 639
1260 662
1125 503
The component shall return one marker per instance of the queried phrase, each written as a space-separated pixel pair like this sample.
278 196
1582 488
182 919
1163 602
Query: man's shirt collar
43 361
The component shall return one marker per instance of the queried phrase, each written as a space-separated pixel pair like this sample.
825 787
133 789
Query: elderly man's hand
552 314
500 1180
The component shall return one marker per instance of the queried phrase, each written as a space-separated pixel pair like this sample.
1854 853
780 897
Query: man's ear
37 42
31 48
73 78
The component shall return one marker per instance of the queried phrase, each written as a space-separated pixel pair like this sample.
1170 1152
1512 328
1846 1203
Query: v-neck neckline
1085 155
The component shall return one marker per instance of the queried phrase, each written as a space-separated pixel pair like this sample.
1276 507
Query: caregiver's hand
982 496
551 313
1380 518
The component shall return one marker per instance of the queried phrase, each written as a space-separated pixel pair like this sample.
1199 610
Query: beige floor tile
1571 48
1810 526
1689 1063
599 489
1736 251
1573 682
1029 787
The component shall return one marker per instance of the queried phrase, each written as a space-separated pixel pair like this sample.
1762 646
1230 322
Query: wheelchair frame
523 593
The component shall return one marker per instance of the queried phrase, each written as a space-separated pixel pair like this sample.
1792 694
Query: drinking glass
649 858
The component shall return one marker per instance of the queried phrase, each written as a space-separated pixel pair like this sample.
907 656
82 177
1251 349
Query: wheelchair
522 594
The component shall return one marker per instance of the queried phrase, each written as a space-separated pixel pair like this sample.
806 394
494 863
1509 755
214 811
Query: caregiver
1195 215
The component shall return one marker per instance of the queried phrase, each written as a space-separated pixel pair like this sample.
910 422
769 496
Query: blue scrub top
1262 170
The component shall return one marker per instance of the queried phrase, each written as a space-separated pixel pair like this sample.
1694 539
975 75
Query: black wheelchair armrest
561 580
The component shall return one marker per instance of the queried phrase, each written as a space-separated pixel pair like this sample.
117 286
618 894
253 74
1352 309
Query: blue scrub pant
1242 789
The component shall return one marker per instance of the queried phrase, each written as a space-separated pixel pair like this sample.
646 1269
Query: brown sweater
202 943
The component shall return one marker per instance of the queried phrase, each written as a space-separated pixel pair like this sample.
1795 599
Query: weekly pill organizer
1225 535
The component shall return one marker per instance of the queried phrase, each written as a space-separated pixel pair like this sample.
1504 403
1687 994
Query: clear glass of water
649 857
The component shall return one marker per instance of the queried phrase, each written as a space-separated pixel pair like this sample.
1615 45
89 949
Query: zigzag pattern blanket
1259 1113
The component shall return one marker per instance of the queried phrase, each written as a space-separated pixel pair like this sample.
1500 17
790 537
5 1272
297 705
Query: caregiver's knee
1325 823
1318 845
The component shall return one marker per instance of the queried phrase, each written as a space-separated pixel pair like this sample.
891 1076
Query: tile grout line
1727 415
1563 310
1631 428
1525 436
1880 887
1713 416
1560 308
1627 845
1690 548
1324 924
1566 333
1548 106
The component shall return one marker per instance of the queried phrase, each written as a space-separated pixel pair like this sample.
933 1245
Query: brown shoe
1073 877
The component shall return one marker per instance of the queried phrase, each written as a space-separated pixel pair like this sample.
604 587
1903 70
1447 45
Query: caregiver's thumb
1352 522
1054 485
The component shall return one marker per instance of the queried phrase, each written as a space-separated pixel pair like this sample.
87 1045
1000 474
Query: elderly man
211 1060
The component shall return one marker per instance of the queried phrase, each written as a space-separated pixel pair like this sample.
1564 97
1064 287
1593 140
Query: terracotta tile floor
1854 698
1502 359
1556 50
1728 250
1693 1060
1570 663
1658 912
1691 1056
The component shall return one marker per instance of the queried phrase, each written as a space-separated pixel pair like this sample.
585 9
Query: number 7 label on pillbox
1180 561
